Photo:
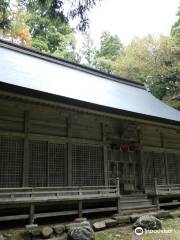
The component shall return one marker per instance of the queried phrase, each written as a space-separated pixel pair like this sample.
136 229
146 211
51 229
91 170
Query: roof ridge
70 64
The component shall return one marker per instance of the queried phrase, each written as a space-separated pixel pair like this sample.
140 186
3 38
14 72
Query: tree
52 36
110 49
152 61
88 51
175 34
16 30
175 30
62 10
4 14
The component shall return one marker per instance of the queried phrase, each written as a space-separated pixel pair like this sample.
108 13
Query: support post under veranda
31 213
156 197
118 196
80 205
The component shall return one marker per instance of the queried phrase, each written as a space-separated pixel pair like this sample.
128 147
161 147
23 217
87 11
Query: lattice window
57 161
173 170
148 169
154 167
38 154
87 165
159 167
11 162
177 158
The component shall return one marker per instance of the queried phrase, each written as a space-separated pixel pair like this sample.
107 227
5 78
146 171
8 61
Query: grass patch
126 232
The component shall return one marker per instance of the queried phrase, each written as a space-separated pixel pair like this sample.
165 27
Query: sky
130 18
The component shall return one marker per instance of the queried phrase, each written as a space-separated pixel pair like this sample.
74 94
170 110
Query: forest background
44 25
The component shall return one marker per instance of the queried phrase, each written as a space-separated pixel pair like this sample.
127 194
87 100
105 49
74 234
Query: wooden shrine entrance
125 166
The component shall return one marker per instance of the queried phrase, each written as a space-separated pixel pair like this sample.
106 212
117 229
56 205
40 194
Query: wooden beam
56 214
51 138
14 217
31 100
160 149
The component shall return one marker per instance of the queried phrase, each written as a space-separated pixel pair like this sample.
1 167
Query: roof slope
25 68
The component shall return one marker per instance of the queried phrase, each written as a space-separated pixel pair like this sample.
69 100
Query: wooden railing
162 190
166 188
10 195
33 196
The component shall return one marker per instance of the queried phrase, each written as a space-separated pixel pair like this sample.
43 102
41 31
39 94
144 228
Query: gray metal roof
25 68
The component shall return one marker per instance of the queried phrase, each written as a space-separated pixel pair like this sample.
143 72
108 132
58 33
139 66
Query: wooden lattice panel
159 167
87 165
173 170
57 161
177 158
11 162
154 167
148 169
38 153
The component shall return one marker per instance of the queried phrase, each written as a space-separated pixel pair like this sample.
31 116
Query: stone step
133 196
151 208
136 206
136 201
142 204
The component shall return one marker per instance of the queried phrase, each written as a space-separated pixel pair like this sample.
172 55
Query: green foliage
175 30
88 51
104 64
40 45
153 61
62 11
4 14
51 36
17 30
110 48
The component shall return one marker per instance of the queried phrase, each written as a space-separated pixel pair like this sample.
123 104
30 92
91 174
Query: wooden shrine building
74 140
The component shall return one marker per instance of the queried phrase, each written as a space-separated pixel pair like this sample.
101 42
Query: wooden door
122 165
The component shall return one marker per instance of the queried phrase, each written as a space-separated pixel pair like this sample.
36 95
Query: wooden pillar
105 153
156 197
80 214
141 155
165 158
166 168
31 213
25 178
142 169
69 150
118 196
105 165
80 205
48 163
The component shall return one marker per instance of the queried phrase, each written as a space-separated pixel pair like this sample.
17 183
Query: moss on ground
126 232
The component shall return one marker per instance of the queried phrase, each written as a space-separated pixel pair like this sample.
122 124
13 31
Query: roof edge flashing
69 64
